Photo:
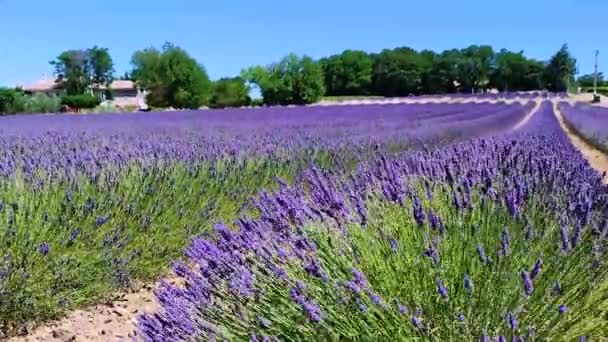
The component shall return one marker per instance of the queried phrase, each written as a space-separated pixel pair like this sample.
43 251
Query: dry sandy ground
529 115
597 159
116 321
100 323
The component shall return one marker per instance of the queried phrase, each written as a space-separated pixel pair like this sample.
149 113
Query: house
125 92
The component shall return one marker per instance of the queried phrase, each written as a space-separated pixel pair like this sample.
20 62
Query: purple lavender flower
502 339
313 311
482 254
73 236
512 321
536 269
375 298
394 245
484 338
101 220
432 253
44 249
418 211
314 269
443 292
416 322
468 283
562 309
402 309
242 284
461 317
528 285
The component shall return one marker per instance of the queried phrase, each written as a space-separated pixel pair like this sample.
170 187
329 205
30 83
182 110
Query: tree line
173 78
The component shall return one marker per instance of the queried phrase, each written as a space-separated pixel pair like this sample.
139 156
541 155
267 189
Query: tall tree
82 70
475 67
559 72
172 77
72 69
398 72
293 80
349 73
230 92
101 66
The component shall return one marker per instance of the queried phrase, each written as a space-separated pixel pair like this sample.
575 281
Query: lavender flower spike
443 292
528 285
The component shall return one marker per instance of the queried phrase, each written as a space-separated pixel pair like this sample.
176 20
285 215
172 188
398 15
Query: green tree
349 73
73 71
587 80
559 72
101 66
172 77
475 66
230 92
293 80
398 72
82 70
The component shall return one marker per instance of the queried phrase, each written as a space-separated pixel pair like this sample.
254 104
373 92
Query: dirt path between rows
100 323
529 115
596 158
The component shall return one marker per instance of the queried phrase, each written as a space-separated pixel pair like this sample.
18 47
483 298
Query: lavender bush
92 204
498 238
591 122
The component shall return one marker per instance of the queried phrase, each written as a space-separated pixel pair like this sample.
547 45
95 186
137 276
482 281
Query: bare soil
99 323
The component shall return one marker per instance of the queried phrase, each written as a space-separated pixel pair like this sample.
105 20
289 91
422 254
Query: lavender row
491 239
589 121
88 144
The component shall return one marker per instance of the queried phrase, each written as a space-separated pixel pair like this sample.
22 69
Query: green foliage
513 71
230 92
293 80
15 101
172 77
397 72
587 80
80 101
349 73
559 72
40 103
9 100
81 70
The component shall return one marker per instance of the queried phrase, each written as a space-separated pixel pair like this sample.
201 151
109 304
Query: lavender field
473 221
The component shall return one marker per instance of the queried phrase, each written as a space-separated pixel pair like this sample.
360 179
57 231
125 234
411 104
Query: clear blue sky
227 35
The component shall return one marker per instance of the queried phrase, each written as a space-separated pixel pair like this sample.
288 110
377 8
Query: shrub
9 100
80 101
41 103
